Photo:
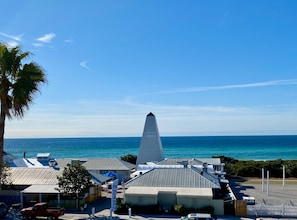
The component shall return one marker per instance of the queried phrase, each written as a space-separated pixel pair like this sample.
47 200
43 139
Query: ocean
239 147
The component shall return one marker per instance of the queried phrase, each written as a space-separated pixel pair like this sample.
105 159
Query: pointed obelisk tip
150 114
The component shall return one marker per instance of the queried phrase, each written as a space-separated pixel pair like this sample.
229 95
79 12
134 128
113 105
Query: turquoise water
239 147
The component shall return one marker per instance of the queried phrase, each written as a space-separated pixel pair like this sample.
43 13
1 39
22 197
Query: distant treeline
247 168
252 168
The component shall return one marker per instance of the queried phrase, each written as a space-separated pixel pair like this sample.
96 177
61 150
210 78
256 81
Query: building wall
218 205
187 201
200 202
194 202
141 200
123 175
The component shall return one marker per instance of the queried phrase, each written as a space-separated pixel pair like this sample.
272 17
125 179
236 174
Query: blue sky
202 67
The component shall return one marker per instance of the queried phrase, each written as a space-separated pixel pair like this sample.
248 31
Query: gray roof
33 176
190 161
108 164
99 178
44 176
48 175
61 163
174 177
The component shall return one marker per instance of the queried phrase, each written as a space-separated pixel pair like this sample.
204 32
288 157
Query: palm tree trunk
2 125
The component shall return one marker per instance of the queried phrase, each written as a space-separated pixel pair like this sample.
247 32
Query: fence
269 210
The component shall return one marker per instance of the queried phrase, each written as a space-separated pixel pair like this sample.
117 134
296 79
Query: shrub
179 209
122 208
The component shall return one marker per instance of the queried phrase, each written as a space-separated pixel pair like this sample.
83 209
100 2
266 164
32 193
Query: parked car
3 209
42 210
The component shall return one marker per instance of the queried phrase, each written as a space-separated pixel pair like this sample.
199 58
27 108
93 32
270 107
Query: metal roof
99 178
174 177
32 176
108 164
190 161
61 163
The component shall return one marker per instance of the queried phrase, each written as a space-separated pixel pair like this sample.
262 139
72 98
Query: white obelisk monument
150 149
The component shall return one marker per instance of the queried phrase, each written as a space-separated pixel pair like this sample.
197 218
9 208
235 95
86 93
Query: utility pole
267 182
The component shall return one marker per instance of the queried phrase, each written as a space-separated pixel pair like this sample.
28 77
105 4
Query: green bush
252 168
122 208
129 158
179 209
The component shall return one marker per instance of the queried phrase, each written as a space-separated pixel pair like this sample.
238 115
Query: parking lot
273 194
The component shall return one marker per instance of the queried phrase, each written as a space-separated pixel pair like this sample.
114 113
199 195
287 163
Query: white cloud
126 118
12 44
249 85
38 45
13 37
84 64
68 41
47 38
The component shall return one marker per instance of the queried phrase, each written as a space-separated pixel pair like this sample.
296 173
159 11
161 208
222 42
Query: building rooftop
108 164
190 161
174 177
32 176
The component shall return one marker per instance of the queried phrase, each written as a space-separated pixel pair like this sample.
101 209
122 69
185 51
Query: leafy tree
291 168
129 158
5 176
229 164
252 168
75 179
19 82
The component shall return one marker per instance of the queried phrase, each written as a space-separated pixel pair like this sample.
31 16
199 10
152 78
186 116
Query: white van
198 216
249 200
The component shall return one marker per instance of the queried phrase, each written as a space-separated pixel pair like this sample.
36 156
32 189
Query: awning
99 178
110 174
50 189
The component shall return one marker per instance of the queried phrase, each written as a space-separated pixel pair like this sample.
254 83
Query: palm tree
19 81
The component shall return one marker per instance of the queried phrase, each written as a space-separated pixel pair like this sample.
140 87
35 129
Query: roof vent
204 167
52 163
185 163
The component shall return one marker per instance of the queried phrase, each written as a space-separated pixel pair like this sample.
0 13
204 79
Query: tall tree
19 82
75 179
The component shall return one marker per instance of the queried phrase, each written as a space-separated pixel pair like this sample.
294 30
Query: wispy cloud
108 118
84 64
69 41
12 44
13 37
47 38
236 86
